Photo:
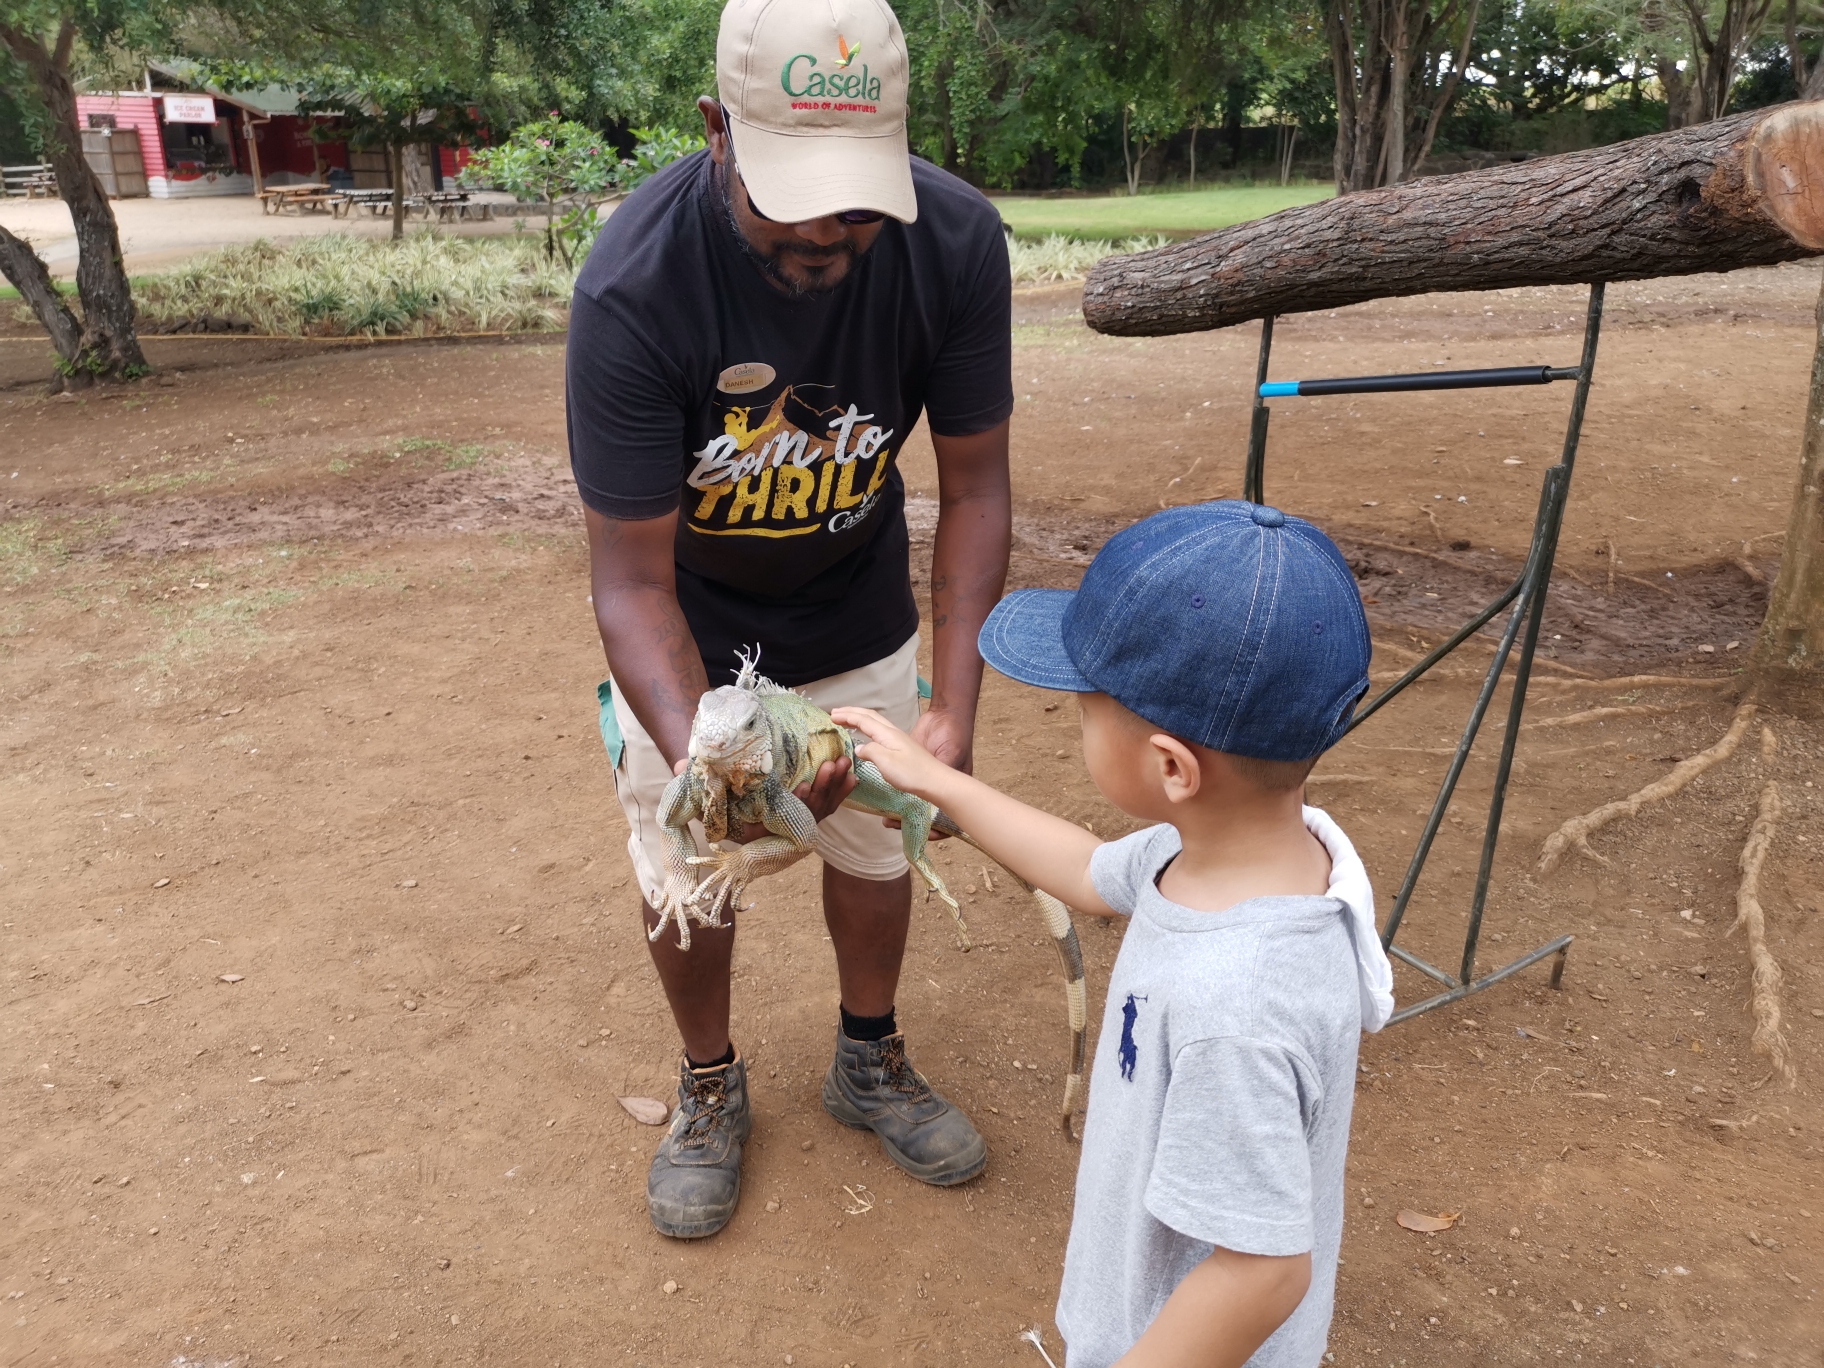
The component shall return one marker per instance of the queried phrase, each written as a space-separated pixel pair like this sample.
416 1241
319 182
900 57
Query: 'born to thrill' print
795 470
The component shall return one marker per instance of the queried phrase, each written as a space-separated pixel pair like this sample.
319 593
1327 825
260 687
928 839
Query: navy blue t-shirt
775 423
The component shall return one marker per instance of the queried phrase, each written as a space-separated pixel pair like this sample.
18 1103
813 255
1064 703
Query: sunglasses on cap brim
853 218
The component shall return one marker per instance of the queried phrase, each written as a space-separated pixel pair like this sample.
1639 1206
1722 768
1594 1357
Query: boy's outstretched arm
1042 849
1222 1312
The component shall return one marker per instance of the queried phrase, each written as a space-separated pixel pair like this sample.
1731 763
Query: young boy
1217 651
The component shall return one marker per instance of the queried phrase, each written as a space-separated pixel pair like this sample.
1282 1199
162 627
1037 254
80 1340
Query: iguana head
730 740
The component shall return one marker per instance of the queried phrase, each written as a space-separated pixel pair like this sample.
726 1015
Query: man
753 338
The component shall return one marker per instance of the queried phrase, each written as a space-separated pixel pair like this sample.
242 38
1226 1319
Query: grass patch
28 549
21 557
161 481
1178 213
1059 257
336 285
209 627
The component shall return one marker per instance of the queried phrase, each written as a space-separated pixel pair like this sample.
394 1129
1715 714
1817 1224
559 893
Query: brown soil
299 672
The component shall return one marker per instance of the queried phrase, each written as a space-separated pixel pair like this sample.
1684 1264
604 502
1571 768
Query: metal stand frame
1526 595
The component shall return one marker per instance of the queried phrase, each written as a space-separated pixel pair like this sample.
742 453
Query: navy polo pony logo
1129 1055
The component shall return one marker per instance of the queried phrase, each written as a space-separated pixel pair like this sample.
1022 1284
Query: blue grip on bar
1275 389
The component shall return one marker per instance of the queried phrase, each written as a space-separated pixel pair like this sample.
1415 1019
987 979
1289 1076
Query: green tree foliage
552 160
44 42
655 149
22 119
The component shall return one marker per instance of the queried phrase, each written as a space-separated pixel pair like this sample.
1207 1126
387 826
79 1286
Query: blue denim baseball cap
1227 624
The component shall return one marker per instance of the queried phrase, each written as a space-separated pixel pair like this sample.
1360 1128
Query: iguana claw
676 905
729 871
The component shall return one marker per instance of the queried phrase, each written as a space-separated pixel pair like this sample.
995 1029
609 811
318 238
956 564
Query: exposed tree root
1764 998
1604 714
1539 662
1575 834
1642 682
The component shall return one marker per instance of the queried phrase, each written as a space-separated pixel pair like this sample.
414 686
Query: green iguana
751 743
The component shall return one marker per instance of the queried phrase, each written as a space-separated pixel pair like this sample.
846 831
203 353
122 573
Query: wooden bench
32 180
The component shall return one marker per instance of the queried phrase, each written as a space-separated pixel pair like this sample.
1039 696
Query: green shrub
337 285
1057 257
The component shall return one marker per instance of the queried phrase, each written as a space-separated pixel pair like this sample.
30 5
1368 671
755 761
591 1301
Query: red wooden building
196 140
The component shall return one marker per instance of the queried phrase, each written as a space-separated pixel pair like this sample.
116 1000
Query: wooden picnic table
31 180
277 199
456 204
376 202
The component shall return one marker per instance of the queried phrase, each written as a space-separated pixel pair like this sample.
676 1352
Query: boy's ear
1180 771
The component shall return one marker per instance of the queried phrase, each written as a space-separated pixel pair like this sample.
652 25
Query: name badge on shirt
744 377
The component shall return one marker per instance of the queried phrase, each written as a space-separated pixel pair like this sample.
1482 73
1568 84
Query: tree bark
1743 191
1386 57
1795 58
108 346
26 270
395 156
1447 95
1788 663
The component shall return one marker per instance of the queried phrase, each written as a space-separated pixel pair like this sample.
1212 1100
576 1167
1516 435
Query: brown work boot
871 1085
695 1179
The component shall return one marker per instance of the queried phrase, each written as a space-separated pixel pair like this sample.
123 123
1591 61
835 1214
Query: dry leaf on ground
1418 1220
648 1111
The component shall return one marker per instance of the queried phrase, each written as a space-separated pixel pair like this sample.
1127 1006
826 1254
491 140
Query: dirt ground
322 967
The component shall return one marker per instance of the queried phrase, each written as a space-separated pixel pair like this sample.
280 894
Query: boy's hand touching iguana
1046 851
902 762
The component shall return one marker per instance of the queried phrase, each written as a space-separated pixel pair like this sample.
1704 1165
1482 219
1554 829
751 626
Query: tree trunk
108 346
1788 662
1447 93
1385 59
1794 58
396 162
416 159
1127 161
1682 95
1742 191
1400 53
32 278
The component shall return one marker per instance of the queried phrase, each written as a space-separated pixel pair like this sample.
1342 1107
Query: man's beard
769 264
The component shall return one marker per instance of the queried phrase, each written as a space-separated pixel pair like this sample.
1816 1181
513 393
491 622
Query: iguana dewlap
751 743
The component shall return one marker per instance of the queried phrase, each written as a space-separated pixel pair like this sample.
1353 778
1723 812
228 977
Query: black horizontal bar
1463 990
1432 380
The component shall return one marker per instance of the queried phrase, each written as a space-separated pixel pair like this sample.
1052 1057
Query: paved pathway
156 233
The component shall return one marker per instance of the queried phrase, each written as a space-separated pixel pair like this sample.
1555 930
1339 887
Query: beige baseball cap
816 96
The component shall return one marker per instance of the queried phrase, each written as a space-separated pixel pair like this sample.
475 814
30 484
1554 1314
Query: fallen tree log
1742 191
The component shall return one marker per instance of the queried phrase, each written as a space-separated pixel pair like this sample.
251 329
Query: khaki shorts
855 842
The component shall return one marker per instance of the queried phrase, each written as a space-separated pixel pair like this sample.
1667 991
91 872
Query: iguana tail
1070 952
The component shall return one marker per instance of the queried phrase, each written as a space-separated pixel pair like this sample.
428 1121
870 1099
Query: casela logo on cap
850 85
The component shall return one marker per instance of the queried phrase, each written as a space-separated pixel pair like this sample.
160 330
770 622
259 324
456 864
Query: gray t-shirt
1219 1107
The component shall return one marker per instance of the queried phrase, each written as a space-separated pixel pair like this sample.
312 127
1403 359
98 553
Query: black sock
721 1061
867 1028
